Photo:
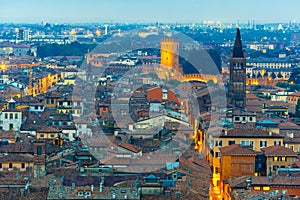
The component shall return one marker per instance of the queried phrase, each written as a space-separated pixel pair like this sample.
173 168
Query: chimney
92 188
270 133
101 187
290 135
116 133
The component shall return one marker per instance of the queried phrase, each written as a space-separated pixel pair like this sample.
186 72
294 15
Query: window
39 150
6 116
52 136
275 158
292 147
247 143
16 116
237 118
266 188
218 143
217 170
250 119
10 165
231 142
263 144
277 143
257 188
42 136
275 167
11 126
11 116
283 158
23 165
0 165
217 154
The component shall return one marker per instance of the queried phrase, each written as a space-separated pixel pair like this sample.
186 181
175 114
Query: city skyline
116 11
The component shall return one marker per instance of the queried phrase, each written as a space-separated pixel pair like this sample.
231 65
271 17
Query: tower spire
237 48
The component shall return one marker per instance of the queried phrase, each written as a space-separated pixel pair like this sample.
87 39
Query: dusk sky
134 11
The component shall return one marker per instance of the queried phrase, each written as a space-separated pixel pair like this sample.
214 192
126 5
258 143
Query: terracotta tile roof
48 129
237 182
7 134
236 149
129 147
278 151
80 121
295 94
16 158
276 181
248 132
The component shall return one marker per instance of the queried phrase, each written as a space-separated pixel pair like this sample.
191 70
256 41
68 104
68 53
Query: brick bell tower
237 83
169 56
39 168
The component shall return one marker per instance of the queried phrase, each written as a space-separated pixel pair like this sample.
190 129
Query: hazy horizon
133 11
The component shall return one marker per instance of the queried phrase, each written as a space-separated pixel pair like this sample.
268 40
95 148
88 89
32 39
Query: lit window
275 158
266 188
257 188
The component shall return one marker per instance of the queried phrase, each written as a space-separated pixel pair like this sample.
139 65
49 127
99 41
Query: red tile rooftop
248 132
48 129
16 158
7 134
278 151
236 149
295 94
80 121
276 181
129 147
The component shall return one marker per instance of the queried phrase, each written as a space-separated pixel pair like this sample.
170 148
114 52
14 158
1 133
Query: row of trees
72 49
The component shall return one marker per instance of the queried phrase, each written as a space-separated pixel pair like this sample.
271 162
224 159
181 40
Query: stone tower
39 168
169 57
237 84
169 53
